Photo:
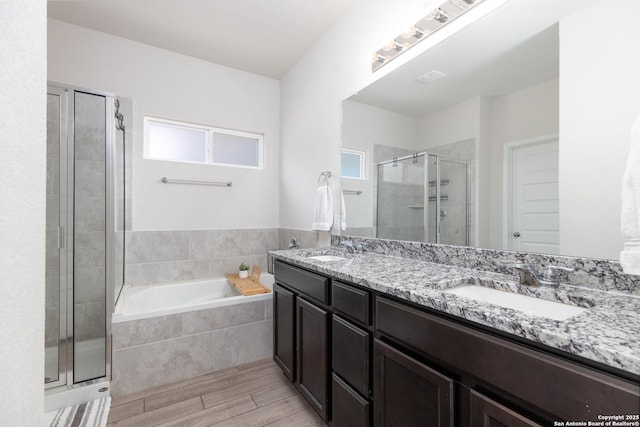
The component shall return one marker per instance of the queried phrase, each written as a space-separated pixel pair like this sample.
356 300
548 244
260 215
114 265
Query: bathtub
142 302
170 332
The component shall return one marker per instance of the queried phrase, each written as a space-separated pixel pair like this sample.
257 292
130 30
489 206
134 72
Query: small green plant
243 267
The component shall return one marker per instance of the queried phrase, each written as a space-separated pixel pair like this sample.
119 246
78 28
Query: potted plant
243 271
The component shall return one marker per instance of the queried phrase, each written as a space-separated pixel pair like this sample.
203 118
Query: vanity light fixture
413 32
439 17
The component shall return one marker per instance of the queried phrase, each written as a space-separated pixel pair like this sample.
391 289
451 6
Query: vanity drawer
348 408
525 373
310 284
351 301
350 354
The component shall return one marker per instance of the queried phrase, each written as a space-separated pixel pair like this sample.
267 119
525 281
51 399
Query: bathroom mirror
511 134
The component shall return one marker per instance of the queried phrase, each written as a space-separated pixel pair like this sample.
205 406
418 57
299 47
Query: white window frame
210 131
363 163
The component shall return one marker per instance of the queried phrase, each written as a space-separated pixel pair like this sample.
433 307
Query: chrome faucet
529 275
349 245
354 249
293 244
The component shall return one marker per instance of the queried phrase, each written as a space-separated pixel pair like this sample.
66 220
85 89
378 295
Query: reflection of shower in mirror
414 197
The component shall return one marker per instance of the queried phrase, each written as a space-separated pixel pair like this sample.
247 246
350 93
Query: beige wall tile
223 317
148 365
242 344
173 271
144 331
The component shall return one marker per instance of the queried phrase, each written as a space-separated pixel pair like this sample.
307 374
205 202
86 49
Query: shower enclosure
424 197
85 211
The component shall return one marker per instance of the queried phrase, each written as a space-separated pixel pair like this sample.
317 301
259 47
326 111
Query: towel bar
166 180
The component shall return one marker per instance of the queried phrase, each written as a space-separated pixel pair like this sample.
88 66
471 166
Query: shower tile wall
169 256
89 215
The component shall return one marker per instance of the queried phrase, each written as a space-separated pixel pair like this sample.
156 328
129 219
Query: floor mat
88 414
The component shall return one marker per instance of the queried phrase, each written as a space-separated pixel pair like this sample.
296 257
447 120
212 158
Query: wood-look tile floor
255 394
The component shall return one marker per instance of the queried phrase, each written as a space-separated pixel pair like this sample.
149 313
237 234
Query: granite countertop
607 332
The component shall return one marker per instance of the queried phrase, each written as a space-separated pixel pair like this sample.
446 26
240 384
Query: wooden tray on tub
250 285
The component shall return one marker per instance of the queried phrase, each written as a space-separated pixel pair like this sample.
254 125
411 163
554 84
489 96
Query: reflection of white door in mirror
532 198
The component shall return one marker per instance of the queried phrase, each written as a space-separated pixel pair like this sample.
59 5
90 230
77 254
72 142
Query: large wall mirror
511 134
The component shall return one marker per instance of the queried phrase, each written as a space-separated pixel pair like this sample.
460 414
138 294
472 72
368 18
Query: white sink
526 304
327 258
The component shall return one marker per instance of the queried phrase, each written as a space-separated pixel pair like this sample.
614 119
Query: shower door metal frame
63 237
67 162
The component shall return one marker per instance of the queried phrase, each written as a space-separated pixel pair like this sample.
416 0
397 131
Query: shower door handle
516 234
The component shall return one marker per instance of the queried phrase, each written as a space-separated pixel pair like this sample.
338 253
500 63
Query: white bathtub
142 302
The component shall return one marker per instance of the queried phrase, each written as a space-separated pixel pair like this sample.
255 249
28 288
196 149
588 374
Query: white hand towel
630 218
343 212
322 209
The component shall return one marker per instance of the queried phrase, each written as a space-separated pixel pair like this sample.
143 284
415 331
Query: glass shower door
80 235
400 194
55 274
448 201
89 236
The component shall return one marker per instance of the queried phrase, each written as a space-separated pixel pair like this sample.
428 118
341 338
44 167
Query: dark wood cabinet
301 332
552 387
284 331
364 358
349 409
408 393
350 354
312 372
351 302
484 412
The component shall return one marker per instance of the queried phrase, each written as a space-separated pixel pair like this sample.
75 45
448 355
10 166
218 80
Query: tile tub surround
608 332
172 256
165 349
601 274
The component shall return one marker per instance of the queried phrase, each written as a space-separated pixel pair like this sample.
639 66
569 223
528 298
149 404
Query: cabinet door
312 355
350 354
284 329
485 412
408 393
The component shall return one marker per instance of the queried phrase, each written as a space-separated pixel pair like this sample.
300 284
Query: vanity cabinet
529 385
301 332
362 358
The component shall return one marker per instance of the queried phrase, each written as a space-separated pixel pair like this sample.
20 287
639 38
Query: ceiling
265 37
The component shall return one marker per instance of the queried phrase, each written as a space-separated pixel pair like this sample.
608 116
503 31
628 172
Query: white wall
452 124
22 210
529 113
170 85
599 101
338 65
363 126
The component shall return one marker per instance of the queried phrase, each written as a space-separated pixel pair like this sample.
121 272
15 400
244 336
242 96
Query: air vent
431 76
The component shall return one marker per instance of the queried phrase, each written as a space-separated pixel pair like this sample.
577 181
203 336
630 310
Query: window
353 164
186 142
